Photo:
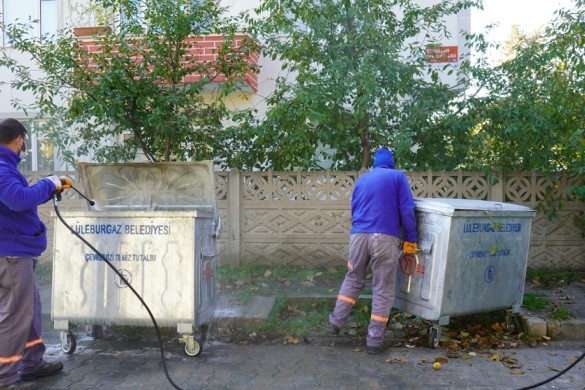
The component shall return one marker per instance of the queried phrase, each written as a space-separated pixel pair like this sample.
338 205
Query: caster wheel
193 348
69 344
433 338
514 323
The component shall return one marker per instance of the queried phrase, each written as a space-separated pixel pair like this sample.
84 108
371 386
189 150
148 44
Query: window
47 11
42 154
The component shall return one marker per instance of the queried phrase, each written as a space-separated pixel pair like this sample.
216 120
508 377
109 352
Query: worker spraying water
23 237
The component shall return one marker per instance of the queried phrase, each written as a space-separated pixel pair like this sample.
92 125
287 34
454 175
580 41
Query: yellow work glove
65 182
409 248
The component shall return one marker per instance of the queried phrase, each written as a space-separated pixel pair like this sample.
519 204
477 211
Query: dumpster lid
150 186
449 204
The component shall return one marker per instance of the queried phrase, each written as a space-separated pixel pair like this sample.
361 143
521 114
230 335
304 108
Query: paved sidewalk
325 365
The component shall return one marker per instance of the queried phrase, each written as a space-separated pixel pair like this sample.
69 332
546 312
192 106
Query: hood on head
383 157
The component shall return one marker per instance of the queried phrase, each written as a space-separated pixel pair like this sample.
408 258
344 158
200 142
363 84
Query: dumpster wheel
193 347
434 334
514 322
68 342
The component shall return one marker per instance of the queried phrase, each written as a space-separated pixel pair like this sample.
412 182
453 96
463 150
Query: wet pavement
323 362
326 364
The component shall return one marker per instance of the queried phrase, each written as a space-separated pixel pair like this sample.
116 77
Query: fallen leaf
441 359
267 273
495 357
510 362
517 372
357 350
398 360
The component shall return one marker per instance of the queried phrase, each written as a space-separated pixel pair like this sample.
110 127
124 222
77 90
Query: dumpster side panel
420 286
487 264
206 253
154 252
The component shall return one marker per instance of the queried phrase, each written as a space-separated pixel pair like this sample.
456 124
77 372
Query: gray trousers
381 251
21 346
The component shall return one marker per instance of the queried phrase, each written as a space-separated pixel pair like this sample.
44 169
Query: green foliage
128 98
530 114
361 81
535 302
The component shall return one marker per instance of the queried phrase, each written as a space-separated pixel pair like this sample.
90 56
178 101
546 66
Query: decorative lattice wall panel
303 218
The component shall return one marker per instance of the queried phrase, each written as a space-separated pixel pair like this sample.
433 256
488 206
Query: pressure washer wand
91 202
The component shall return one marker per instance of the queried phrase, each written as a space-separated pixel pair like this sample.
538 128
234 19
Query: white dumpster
159 231
472 259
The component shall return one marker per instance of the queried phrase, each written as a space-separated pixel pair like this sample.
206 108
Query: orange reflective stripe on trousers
346 299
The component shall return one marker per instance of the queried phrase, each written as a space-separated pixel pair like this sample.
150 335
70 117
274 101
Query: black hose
555 376
123 279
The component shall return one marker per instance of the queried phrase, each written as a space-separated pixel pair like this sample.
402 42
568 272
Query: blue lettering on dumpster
122 229
136 257
489 253
493 227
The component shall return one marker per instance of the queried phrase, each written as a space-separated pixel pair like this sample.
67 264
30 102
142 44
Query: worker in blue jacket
381 205
23 237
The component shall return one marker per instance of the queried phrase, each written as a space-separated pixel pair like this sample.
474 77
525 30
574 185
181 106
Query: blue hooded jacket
22 233
382 201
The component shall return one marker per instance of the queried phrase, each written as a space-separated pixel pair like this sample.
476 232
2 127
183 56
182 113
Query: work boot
376 350
46 369
333 329
20 385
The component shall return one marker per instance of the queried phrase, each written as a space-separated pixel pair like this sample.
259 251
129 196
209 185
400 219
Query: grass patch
560 313
308 317
535 302
549 278
279 279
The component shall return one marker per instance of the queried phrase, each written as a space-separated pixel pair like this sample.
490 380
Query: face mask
22 153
